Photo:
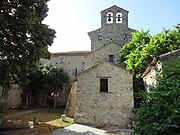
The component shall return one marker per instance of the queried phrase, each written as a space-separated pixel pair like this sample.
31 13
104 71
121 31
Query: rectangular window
111 58
76 72
104 85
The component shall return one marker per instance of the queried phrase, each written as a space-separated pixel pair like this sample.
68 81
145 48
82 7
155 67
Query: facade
104 90
108 52
114 28
72 62
104 95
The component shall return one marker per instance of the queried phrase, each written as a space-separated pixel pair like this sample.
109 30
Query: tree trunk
27 98
55 98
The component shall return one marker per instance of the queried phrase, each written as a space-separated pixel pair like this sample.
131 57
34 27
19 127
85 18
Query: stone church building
104 91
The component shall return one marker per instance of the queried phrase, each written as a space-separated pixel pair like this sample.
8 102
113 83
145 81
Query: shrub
159 113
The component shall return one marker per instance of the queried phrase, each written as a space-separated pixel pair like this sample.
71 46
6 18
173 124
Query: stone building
104 95
156 67
105 43
73 62
104 89
114 28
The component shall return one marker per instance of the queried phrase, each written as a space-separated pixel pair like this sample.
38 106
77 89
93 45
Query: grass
49 120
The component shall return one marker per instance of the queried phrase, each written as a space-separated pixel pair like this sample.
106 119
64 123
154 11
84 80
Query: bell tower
114 28
114 16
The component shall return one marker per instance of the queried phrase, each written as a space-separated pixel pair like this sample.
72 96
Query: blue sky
73 19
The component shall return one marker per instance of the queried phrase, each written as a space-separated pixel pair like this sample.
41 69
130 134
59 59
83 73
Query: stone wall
156 67
14 98
102 53
45 99
111 32
71 103
72 62
114 10
62 99
150 78
104 108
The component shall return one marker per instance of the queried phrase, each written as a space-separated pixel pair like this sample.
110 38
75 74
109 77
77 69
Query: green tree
160 109
23 38
143 47
56 78
46 77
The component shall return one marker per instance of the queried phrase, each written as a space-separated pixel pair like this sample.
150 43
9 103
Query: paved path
21 113
77 129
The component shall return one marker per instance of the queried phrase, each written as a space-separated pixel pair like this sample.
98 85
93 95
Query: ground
49 120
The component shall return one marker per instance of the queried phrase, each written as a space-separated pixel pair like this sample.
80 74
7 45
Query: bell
109 17
119 18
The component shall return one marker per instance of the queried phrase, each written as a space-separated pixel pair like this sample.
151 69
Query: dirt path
21 113
14 129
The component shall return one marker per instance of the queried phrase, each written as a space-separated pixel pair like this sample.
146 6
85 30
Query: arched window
118 17
109 18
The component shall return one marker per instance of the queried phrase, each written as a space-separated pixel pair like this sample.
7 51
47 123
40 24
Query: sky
73 19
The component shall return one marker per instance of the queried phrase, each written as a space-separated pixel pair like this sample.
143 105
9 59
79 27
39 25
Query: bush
159 113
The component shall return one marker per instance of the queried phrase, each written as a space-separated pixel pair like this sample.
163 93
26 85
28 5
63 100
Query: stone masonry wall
100 54
73 64
101 108
150 78
71 103
14 98
111 32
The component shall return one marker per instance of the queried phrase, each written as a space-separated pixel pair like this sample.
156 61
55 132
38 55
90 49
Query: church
104 90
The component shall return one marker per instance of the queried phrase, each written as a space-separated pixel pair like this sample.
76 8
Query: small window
82 66
75 72
111 58
125 36
109 17
103 85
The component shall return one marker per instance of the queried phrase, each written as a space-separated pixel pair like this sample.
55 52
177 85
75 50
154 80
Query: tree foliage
142 47
46 77
160 109
23 37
